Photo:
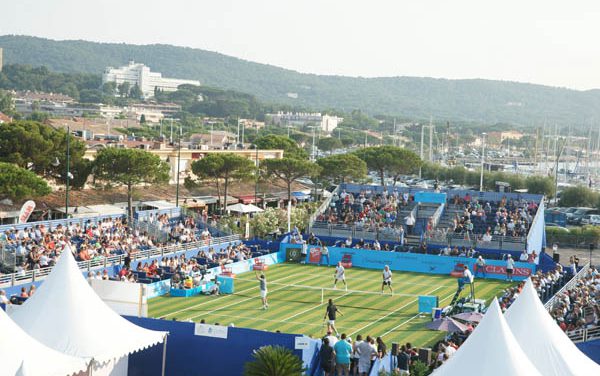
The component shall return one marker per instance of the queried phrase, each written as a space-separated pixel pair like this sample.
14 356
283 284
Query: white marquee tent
491 350
244 209
544 343
68 316
20 354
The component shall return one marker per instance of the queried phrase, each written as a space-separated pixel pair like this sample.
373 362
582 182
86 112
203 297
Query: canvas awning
22 354
542 340
491 350
67 315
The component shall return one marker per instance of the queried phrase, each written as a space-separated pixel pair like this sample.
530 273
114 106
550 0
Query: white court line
260 319
411 319
310 309
225 296
395 281
394 311
241 301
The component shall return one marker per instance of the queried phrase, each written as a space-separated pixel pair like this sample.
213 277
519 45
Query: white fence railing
584 335
29 276
569 285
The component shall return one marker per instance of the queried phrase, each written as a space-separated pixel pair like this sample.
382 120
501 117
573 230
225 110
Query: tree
542 185
6 103
339 168
289 169
289 147
130 167
390 160
37 147
135 92
329 144
274 361
109 88
17 183
124 89
223 166
579 196
143 119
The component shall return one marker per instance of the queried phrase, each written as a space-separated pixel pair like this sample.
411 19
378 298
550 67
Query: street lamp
256 176
178 166
68 174
482 161
313 150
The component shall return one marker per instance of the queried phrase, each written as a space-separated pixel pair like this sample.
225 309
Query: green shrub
274 361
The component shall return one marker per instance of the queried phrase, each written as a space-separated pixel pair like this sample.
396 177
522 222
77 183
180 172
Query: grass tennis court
298 309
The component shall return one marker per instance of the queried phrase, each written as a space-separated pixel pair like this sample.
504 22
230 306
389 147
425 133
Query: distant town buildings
1 61
327 123
137 73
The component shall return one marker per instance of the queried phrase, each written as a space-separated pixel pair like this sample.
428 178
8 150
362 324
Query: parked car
575 219
591 219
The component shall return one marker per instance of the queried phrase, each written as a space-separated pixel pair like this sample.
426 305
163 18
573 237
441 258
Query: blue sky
547 42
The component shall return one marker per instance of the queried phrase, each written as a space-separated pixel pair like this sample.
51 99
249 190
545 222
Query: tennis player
262 278
330 313
387 279
340 275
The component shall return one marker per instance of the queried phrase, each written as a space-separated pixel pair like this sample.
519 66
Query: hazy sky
548 42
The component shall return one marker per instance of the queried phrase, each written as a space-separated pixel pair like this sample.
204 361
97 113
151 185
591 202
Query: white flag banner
26 211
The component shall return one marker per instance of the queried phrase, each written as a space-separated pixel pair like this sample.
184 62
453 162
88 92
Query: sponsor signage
207 330
293 254
301 343
26 211
498 269
314 255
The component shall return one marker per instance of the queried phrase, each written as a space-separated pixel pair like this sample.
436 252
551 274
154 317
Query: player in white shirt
387 279
340 275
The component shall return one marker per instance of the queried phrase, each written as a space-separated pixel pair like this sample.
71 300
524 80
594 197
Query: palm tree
274 361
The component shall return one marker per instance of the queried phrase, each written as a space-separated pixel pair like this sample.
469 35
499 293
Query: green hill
470 100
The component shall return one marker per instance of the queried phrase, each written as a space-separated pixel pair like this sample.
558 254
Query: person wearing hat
510 266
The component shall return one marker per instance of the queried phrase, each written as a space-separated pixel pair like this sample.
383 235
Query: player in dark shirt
330 313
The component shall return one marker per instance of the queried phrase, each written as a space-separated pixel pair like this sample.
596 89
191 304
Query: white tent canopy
244 209
491 350
544 343
20 354
67 315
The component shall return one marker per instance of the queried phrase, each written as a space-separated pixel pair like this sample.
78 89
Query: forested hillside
409 97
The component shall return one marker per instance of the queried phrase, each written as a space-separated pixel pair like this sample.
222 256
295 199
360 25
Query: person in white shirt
3 299
387 279
510 265
340 275
524 256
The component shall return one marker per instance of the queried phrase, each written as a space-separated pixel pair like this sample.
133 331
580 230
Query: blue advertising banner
430 197
420 263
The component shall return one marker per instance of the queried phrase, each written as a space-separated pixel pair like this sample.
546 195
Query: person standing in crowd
343 352
262 279
330 314
324 254
480 266
381 348
327 355
510 266
409 220
340 275
355 355
387 279
403 361
366 352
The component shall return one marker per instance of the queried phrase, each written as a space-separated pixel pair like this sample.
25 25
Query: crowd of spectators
484 220
38 246
367 210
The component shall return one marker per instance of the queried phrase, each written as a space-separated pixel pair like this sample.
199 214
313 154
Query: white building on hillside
327 122
137 73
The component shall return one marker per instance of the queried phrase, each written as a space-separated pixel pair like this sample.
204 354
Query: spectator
3 298
343 352
403 361
327 355
366 353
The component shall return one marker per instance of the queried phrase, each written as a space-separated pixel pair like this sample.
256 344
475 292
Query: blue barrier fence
189 354
414 262
591 349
